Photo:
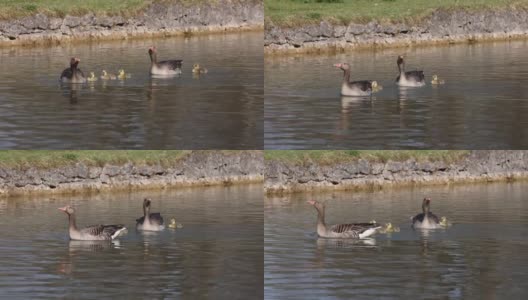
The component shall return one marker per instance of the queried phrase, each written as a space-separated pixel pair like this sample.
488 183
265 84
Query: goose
107 76
351 231
73 74
426 220
410 78
436 80
166 67
92 232
199 70
92 77
149 221
122 75
354 88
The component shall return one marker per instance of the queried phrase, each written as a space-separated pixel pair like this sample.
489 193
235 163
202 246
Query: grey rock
72 21
110 171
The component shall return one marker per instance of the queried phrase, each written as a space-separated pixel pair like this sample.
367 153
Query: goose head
435 77
67 209
146 202
74 61
317 205
400 60
425 204
152 50
342 66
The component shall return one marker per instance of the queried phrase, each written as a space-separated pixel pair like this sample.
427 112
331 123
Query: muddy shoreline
197 169
440 28
478 166
157 20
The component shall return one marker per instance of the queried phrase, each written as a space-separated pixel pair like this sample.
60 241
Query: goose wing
433 217
364 85
353 227
67 73
105 231
171 64
415 75
418 218
156 218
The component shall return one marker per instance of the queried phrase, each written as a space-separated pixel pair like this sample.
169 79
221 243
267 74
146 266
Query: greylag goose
149 221
92 232
410 78
354 88
73 74
349 231
426 220
197 69
166 67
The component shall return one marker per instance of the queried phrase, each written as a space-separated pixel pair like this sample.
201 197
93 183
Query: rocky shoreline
478 166
199 168
441 27
158 19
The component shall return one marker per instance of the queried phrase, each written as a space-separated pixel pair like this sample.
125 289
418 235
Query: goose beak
62 208
338 65
311 202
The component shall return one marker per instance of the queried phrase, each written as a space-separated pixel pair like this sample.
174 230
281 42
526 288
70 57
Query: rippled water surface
216 255
481 256
482 105
222 109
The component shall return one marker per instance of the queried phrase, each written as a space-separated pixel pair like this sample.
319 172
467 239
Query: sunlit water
481 256
216 255
222 109
482 105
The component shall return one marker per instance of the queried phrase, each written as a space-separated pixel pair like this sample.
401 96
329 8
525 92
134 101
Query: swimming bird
174 225
410 78
436 80
166 67
426 220
73 74
353 231
122 75
199 70
108 76
92 232
92 77
354 88
149 221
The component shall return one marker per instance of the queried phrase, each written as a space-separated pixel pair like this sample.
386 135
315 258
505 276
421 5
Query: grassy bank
13 9
328 157
294 13
44 159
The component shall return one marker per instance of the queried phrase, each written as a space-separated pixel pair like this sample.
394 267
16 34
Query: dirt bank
478 166
441 27
199 168
158 19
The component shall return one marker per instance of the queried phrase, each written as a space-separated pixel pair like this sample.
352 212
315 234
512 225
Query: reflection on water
222 109
217 254
481 106
479 257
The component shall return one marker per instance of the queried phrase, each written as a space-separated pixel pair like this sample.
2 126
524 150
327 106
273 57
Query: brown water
481 256
219 110
483 104
216 255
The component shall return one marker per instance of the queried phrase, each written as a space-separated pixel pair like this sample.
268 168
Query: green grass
293 13
329 157
45 159
12 9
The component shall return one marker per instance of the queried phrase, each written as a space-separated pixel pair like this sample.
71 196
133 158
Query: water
482 105
481 256
219 110
216 255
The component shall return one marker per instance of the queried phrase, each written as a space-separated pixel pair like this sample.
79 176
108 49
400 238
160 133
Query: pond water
481 256
222 109
482 105
216 255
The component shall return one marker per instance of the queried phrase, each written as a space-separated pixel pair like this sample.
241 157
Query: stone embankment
478 166
441 27
199 168
158 19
